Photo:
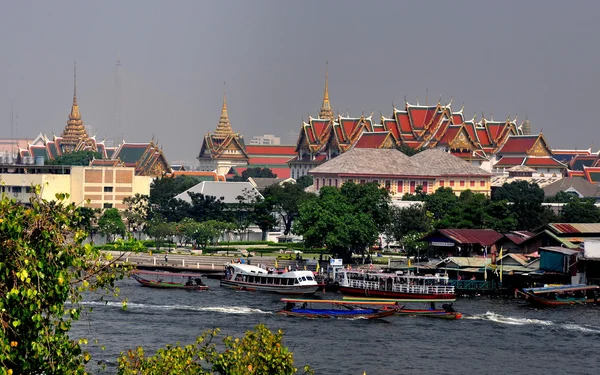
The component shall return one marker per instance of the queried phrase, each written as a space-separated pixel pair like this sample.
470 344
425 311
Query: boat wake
498 318
219 309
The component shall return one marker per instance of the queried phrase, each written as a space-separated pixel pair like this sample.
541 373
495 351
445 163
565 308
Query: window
376 182
413 185
362 182
330 182
108 189
451 183
107 205
472 183
317 183
462 183
336 182
482 183
441 183
16 189
400 186
425 186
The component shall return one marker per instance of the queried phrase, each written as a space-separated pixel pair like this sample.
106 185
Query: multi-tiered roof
74 133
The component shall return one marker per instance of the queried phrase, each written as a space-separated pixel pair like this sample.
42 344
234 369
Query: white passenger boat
246 277
395 285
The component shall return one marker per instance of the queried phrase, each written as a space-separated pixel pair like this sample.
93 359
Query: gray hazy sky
534 58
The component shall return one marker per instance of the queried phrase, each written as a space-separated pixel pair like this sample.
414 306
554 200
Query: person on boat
448 307
189 281
304 305
198 281
432 306
289 306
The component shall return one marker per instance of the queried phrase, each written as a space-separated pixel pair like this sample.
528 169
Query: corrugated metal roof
483 237
564 228
465 261
561 250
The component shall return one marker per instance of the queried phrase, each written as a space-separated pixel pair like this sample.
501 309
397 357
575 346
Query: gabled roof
435 162
483 237
592 174
463 262
261 183
376 140
517 237
368 161
130 153
577 184
574 228
518 144
225 191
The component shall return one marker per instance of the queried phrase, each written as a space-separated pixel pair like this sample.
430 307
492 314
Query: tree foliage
407 150
304 181
286 202
111 224
136 212
75 158
525 200
580 211
163 189
255 172
43 266
259 352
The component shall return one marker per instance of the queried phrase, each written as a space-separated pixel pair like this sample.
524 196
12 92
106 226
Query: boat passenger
189 281
198 281
432 306
289 306
448 307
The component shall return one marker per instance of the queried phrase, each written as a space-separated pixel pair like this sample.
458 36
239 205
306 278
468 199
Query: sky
534 59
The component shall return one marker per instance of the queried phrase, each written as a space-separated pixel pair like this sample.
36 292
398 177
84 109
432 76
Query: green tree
44 270
370 199
159 230
136 213
286 202
255 172
561 197
407 150
441 202
304 181
163 189
75 158
259 352
409 220
526 203
111 224
332 221
580 211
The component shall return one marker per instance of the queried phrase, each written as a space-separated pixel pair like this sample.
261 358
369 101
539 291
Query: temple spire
326 112
223 127
74 132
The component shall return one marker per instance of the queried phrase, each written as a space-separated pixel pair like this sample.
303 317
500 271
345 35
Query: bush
225 243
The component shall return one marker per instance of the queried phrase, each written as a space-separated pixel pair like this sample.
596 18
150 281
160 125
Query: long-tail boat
559 295
446 312
169 280
338 309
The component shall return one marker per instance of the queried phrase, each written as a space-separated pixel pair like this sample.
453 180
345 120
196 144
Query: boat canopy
560 288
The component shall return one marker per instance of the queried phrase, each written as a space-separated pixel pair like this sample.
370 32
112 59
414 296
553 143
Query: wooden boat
395 285
339 310
169 280
446 312
559 295
252 278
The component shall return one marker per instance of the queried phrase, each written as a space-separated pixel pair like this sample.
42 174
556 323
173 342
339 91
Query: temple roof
223 127
326 112
74 132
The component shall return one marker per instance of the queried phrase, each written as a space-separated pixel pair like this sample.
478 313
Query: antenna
12 133
118 96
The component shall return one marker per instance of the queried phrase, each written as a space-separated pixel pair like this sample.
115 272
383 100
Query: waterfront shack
463 242
559 265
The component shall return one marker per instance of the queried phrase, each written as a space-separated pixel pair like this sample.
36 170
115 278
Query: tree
441 202
75 158
332 221
262 216
580 211
561 197
304 181
137 212
163 189
526 203
370 199
159 230
407 150
255 172
286 202
111 224
44 270
409 220
259 352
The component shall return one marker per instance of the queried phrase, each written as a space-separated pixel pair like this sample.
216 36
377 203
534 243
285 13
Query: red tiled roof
484 237
253 150
403 122
273 161
391 126
483 137
371 140
457 118
508 162
496 129
450 134
518 144
571 173
543 161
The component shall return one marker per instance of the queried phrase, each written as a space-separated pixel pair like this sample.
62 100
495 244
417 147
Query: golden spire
326 112
74 131
223 127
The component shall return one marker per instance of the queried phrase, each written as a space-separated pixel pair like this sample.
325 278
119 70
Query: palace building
147 158
225 152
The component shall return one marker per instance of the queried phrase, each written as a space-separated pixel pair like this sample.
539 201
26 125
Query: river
495 336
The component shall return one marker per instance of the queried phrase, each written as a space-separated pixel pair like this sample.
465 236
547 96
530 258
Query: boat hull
436 314
541 301
294 290
391 294
338 314
167 285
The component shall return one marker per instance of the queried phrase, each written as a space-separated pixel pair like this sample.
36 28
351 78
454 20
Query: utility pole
118 97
